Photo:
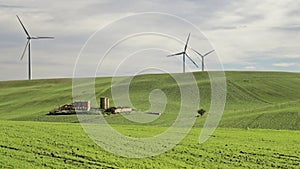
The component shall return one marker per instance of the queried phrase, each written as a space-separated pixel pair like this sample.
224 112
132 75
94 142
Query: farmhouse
71 108
82 105
119 109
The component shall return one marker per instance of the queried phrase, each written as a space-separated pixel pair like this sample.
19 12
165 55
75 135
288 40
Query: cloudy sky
107 37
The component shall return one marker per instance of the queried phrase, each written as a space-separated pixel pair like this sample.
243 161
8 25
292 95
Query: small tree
201 112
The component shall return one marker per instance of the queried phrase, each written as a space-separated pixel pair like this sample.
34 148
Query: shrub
201 112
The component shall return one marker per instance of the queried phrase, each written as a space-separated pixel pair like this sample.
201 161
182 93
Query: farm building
71 108
62 110
116 110
104 103
82 105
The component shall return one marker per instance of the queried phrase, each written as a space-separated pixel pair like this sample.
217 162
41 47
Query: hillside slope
254 99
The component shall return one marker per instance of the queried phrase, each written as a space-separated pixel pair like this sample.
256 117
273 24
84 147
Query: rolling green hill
254 99
257 103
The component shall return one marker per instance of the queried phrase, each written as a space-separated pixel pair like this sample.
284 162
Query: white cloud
249 29
250 67
242 32
283 64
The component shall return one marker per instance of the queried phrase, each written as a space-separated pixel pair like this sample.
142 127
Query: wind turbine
184 54
28 46
202 57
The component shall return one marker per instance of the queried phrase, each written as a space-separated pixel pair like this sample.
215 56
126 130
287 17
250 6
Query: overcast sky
247 35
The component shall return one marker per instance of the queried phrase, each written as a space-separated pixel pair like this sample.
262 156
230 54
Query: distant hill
254 99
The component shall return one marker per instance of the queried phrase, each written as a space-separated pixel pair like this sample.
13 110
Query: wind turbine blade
43 37
197 52
180 53
23 26
187 41
25 49
192 60
199 58
208 53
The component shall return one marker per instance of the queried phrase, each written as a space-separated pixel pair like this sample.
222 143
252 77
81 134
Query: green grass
65 145
259 127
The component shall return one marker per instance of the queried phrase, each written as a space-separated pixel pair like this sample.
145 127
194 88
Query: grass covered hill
261 101
254 99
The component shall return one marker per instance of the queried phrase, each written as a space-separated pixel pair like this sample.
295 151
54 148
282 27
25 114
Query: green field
64 145
259 128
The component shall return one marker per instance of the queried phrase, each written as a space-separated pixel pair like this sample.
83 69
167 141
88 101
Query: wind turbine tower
27 46
184 54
